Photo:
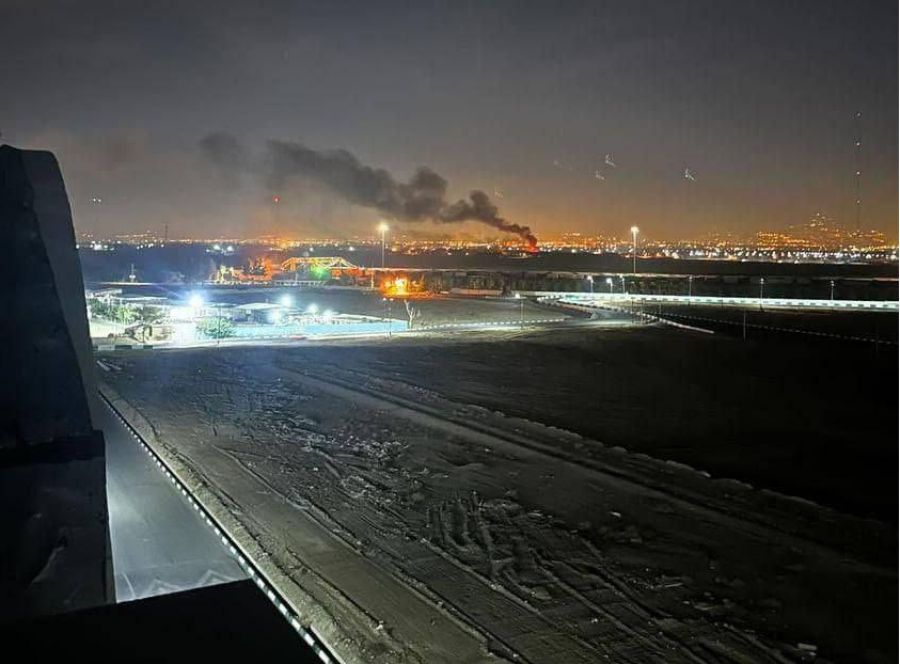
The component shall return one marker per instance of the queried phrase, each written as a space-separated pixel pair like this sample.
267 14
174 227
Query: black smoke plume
422 198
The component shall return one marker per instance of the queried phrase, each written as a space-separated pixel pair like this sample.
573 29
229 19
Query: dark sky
520 99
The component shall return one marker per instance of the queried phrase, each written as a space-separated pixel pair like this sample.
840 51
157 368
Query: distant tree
216 328
124 314
149 314
413 313
99 308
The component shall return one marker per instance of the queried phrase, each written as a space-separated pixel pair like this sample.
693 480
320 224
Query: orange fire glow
397 287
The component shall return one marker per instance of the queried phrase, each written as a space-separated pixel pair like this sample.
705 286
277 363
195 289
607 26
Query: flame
398 287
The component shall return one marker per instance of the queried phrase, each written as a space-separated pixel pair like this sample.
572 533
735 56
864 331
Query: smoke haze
422 198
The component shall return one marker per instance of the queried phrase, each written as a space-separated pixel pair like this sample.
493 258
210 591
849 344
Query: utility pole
383 229
521 300
634 234
858 168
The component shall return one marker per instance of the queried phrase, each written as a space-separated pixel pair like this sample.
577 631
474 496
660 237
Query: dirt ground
469 499
804 417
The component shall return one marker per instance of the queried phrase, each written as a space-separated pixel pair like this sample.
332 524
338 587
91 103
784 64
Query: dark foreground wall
54 548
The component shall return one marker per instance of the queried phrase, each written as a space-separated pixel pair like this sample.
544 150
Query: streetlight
286 301
521 300
312 309
690 284
390 302
591 281
832 290
390 321
383 229
634 234
762 282
196 303
609 282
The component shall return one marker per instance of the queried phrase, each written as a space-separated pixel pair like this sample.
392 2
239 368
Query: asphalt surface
160 544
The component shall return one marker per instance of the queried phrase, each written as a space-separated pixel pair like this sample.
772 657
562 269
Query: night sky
522 100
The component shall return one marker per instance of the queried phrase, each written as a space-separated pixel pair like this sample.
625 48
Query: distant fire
398 287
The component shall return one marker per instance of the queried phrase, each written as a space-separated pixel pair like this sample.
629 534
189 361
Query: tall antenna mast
857 168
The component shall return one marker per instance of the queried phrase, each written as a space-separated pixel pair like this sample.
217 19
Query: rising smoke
422 198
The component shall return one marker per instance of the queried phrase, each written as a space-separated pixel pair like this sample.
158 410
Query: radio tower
856 158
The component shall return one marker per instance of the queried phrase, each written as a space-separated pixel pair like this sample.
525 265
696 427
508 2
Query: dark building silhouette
55 551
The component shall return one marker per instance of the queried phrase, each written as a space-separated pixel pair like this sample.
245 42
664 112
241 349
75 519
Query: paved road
160 544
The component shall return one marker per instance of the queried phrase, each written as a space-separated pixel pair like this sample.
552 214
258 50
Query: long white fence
625 299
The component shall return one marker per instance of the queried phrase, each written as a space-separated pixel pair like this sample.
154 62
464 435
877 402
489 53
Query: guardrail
771 302
488 324
316 643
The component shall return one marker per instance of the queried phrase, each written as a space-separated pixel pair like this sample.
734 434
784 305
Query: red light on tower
276 199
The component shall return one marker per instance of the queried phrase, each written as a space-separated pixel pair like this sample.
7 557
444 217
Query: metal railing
306 632
771 302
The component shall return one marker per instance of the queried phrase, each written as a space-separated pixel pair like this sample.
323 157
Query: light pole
521 300
762 282
383 229
591 281
690 285
634 234
609 282
390 320
622 277
832 290
196 303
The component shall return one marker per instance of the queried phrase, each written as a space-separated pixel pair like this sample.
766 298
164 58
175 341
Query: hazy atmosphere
425 332
682 117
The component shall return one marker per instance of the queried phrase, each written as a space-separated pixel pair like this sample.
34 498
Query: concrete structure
54 549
